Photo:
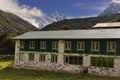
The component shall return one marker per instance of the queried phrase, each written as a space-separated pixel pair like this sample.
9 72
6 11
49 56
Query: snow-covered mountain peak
116 1
58 16
33 15
112 8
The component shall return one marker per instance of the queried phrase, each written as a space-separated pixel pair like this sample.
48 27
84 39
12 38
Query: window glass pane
74 60
110 62
80 46
66 59
31 56
71 60
111 47
102 62
22 44
42 44
67 45
21 56
32 44
80 60
55 45
42 57
54 58
95 46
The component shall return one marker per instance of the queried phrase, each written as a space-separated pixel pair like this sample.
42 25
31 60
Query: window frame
94 46
22 44
32 44
79 62
102 62
81 44
110 48
54 58
42 57
31 57
68 47
42 44
55 45
21 58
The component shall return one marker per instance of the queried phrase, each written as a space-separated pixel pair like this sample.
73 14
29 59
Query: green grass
8 73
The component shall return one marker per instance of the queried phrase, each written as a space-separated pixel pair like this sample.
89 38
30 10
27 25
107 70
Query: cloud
22 11
78 4
99 8
116 1
91 6
87 16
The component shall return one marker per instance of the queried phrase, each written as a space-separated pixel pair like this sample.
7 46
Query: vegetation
10 23
10 26
8 73
81 23
7 44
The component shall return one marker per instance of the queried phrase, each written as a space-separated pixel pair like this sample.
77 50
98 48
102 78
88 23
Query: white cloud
92 6
77 4
116 1
22 11
99 8
87 16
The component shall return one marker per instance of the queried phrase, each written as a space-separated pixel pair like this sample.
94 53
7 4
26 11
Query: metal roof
112 24
72 34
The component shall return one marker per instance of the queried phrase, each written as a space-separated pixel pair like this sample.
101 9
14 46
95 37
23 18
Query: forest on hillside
7 44
81 23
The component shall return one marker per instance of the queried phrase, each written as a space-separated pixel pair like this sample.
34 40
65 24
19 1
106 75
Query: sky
29 9
70 8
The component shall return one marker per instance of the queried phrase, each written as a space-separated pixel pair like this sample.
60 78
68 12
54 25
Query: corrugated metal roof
113 24
72 34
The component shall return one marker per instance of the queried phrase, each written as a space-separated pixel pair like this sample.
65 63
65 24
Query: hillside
10 26
81 23
10 23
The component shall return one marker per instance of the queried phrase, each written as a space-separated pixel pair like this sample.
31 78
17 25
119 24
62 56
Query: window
111 46
55 45
80 46
31 56
54 58
102 62
75 60
42 44
68 45
21 56
42 57
32 44
22 44
95 46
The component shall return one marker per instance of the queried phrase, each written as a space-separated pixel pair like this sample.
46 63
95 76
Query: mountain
10 23
81 23
113 8
44 20
57 16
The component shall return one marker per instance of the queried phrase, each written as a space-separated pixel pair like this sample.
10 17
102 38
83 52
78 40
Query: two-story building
94 51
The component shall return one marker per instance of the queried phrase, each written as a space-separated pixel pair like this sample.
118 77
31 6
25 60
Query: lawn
8 73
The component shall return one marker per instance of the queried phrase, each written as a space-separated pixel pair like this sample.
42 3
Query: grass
8 73
5 64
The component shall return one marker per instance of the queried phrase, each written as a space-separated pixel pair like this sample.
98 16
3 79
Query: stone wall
60 66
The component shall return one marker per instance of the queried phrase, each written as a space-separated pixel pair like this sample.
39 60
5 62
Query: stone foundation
60 66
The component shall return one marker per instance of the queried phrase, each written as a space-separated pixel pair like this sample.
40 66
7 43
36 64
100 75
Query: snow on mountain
57 16
45 19
113 8
33 15
115 1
